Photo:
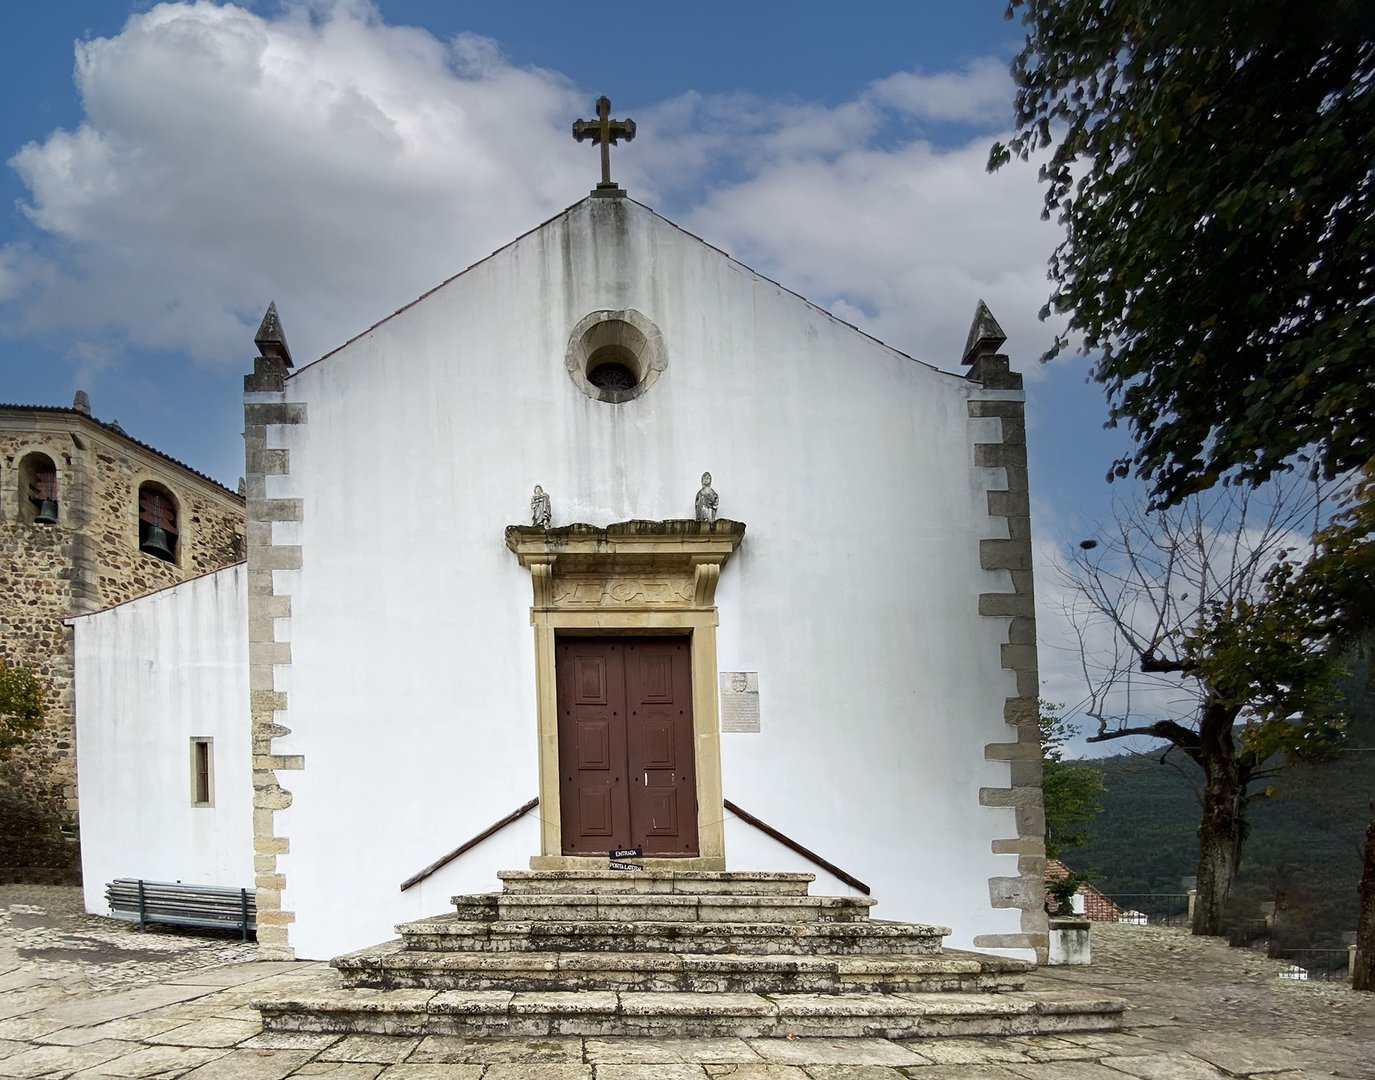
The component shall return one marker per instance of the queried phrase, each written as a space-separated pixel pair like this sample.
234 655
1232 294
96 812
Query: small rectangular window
202 772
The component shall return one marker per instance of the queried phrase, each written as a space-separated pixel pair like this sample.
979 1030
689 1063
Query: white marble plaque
740 701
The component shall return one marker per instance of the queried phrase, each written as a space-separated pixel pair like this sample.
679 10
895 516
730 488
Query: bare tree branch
1178 734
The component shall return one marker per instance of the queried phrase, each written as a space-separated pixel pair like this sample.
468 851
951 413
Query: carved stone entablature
596 591
629 565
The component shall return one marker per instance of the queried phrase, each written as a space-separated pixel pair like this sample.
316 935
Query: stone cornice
631 565
672 545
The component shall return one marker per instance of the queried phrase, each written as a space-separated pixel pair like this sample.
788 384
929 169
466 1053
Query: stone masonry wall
265 407
38 782
1022 752
90 559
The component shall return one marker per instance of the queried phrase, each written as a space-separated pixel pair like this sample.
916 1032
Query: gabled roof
1098 906
119 433
653 213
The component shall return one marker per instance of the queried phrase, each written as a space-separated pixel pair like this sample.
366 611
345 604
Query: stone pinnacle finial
82 403
270 339
985 335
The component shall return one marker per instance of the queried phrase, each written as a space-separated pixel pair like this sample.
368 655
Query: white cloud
980 94
322 156
848 206
343 166
915 235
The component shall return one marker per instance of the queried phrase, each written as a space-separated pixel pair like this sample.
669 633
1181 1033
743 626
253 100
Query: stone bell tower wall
87 560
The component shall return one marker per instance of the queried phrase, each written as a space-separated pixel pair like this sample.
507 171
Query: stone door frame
636 577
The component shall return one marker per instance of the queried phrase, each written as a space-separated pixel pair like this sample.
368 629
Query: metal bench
213 907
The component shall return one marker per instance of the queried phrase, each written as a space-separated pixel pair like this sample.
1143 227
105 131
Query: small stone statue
707 500
539 508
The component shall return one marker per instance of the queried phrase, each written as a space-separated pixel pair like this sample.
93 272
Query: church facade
820 656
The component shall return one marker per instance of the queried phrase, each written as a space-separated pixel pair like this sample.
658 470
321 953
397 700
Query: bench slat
173 903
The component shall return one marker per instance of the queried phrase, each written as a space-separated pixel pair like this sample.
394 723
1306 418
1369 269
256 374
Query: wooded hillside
1303 856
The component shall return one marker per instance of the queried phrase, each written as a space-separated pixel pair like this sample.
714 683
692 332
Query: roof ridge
116 430
667 221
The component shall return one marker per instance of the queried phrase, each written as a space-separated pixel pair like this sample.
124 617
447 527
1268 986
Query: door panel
595 813
626 745
658 748
594 745
663 803
590 672
592 754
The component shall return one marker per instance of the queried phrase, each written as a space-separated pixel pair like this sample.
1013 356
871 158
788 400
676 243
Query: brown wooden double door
626 772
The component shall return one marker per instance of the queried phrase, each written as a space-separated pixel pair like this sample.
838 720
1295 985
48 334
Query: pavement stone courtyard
82 996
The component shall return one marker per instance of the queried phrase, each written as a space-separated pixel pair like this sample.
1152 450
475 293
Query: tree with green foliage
1210 163
1183 641
1071 789
21 707
1363 968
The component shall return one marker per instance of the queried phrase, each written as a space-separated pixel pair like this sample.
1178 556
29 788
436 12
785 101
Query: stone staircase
675 953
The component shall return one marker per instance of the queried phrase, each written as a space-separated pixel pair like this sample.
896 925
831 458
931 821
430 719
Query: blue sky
172 168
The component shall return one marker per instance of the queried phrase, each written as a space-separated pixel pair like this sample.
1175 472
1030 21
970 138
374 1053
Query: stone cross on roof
604 131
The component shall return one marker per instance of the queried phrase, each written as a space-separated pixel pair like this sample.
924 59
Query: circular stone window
615 356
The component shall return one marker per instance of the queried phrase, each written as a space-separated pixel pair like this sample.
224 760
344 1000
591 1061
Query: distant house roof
118 432
1097 907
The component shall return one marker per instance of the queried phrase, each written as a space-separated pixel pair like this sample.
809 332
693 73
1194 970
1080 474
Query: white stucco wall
854 593
151 675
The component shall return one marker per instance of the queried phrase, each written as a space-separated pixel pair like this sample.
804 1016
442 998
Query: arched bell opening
38 502
157 522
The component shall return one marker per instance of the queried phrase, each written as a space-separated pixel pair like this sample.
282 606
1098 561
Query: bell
46 513
155 542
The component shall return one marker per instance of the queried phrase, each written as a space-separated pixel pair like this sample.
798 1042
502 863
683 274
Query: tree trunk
1220 833
1363 967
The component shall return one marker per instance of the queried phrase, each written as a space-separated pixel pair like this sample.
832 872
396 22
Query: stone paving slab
383 1049
409 1071
340 1070
836 1052
1199 1011
664 1051
456 1049
156 1061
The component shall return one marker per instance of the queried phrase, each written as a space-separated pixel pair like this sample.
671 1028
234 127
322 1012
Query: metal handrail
743 815
790 843
468 845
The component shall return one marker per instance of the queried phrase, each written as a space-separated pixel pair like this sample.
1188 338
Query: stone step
659 907
689 882
392 966
862 937
319 1007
